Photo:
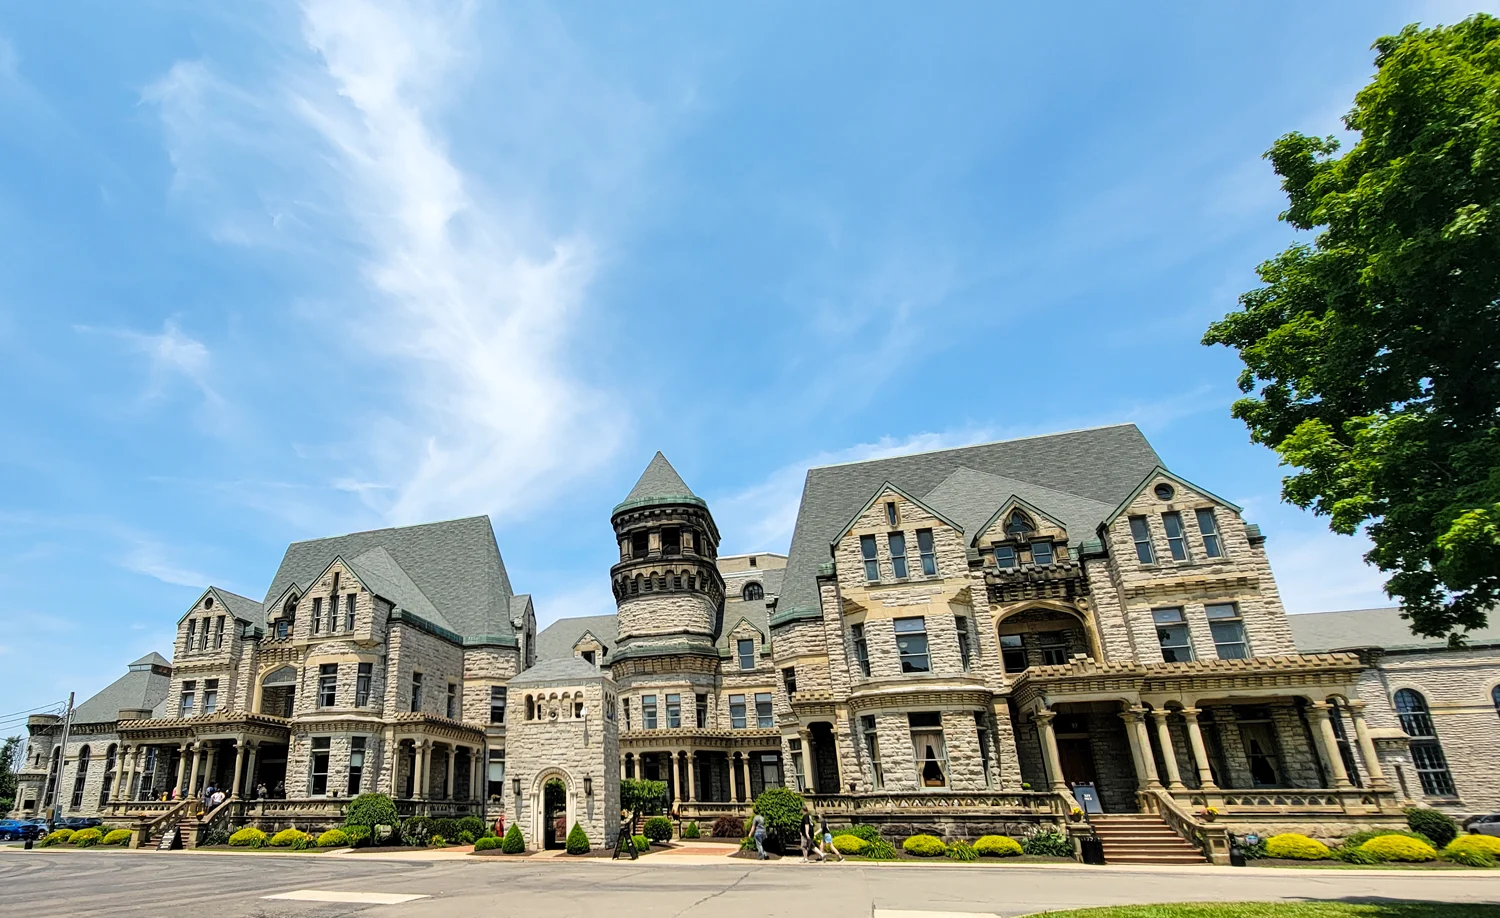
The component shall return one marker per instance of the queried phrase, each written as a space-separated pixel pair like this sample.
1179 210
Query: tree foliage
371 810
782 808
11 751
642 797
1372 355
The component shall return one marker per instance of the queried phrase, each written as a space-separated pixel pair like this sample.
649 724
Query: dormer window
1041 552
753 592
588 657
1018 524
891 518
1005 556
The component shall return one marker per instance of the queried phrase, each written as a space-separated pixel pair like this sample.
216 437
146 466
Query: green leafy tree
640 797
1372 354
11 752
782 809
367 812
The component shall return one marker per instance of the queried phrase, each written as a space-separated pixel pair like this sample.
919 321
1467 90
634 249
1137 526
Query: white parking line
339 895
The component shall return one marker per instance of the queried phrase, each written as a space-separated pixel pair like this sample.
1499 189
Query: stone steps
1142 839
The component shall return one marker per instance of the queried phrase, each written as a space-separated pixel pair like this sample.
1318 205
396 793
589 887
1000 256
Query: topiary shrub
513 843
248 837
729 827
60 837
641 842
850 844
658 828
997 846
1295 847
1473 851
924 846
782 808
286 837
962 851
370 811
333 838
488 843
87 838
1048 843
1359 838
117 837
1437 826
1398 848
690 830
578 840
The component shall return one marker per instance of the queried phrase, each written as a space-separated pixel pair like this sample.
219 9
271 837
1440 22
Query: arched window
753 592
1426 750
1495 697
530 708
109 774
1018 524
79 777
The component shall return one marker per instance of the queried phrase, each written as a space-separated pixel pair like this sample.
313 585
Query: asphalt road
73 883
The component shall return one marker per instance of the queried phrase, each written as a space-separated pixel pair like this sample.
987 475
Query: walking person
827 838
758 833
809 843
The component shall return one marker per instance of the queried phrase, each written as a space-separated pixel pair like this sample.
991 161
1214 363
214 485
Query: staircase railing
1212 840
215 819
150 826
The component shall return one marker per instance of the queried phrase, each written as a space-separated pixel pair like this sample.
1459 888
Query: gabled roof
153 659
139 689
381 575
875 498
1161 472
660 483
976 498
241 607
455 565
557 640
1322 632
571 669
1098 465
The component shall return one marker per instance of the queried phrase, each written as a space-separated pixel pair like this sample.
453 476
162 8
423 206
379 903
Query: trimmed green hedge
87 838
1438 826
658 828
488 843
371 810
578 840
248 837
1473 850
1399 848
642 843
1296 847
333 838
690 830
513 843
850 844
997 846
60 837
925 846
117 837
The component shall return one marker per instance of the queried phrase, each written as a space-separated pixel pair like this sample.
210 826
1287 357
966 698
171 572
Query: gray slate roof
1320 632
970 498
153 659
1096 466
134 690
241 607
659 482
556 641
455 566
571 669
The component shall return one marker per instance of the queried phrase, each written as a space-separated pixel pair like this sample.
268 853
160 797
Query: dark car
79 823
16 830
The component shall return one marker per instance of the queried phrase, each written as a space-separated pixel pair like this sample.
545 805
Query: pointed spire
659 481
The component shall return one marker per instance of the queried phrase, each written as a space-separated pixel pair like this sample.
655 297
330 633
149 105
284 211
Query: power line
39 708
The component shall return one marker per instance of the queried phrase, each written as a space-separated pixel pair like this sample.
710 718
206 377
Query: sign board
1087 797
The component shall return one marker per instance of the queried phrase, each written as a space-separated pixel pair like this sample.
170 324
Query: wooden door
1077 757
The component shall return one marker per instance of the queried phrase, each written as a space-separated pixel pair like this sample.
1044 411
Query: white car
1484 825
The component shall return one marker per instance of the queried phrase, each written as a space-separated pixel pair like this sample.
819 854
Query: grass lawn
1288 910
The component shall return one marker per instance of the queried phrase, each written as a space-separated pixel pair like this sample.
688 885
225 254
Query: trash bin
1092 849
1236 853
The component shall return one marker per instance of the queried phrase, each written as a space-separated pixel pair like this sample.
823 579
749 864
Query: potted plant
1210 814
1075 814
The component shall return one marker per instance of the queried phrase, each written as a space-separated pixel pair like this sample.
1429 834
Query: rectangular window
1140 533
897 542
640 544
648 712
1208 527
928 552
328 684
861 648
763 716
700 710
495 774
911 644
746 652
452 706
737 712
891 518
416 692
362 684
961 622
317 614
1176 539
671 541
189 695
1054 647
1013 652
1228 630
982 728
1172 632
219 633
1041 552
192 632
872 749
625 707
283 628
799 773
349 612
1005 556
497 704
356 764
928 748
789 680
867 552
674 711
333 611
588 657
210 696
319 776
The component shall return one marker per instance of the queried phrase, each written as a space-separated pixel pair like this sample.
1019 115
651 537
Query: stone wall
573 749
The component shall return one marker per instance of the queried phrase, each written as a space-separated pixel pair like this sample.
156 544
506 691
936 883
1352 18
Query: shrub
865 833
285 837
303 842
881 850
437 841
466 838
1295 847
513 843
1473 850
471 824
850 844
248 837
690 830
997 846
448 828
117 837
488 843
371 810
60 837
1048 843
1398 848
1359 838
578 840
642 797
88 838
1436 825
641 842
416 831
658 828
962 851
333 838
1354 856
729 827
358 835
782 809
925 846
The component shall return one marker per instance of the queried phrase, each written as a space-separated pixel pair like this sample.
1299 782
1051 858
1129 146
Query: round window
208 603
1164 491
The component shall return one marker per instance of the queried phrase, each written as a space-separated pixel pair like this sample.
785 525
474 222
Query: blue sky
274 272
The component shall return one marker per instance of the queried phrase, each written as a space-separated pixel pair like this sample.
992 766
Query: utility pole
62 760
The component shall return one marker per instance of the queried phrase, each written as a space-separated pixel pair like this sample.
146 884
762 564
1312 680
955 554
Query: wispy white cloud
153 560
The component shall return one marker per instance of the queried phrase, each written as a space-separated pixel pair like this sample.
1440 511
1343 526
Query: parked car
17 830
79 823
1484 825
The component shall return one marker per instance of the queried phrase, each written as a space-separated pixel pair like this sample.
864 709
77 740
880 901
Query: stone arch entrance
546 809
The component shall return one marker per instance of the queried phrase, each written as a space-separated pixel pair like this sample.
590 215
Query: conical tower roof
659 484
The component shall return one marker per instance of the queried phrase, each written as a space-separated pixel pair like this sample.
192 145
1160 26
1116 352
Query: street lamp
515 785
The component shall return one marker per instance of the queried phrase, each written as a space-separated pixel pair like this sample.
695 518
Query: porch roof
1084 679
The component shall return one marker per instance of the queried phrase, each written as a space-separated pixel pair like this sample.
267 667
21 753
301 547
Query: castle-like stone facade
968 640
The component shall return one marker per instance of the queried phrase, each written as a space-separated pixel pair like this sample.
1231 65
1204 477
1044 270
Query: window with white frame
928 551
1140 534
799 772
495 774
861 647
1228 629
737 712
867 553
416 692
349 612
356 764
928 748
189 697
745 650
648 712
362 684
1171 521
497 704
872 749
763 715
1041 552
1005 556
318 777
700 710
911 644
674 710
1172 634
1426 750
191 632
961 624
1208 527
219 633
328 684
210 696
897 542
317 615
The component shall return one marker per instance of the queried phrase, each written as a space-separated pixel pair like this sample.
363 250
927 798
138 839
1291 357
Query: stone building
961 641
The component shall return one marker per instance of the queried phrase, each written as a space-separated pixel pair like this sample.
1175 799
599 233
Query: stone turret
667 587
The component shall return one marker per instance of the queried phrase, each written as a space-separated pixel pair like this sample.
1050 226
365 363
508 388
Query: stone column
209 762
1140 748
1168 753
239 767
734 778
810 767
1050 757
448 775
1200 752
693 790
127 778
183 751
1366 744
250 782
120 756
1328 743
418 753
